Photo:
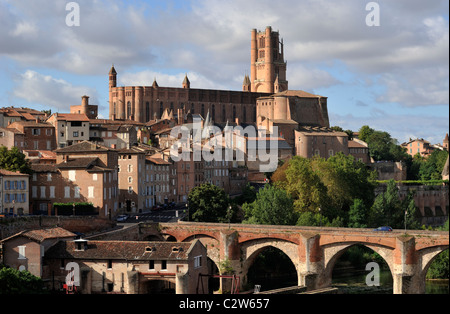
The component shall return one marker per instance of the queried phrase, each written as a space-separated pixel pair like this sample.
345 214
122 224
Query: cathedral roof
113 70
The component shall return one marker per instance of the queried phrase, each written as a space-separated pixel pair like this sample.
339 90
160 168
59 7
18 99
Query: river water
355 283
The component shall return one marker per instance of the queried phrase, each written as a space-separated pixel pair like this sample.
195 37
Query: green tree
13 281
303 184
208 203
273 206
358 215
331 185
439 268
389 210
381 145
13 160
364 133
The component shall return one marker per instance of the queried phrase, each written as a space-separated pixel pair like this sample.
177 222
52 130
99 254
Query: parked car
385 229
122 218
156 207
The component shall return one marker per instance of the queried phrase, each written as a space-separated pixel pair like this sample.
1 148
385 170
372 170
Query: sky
392 76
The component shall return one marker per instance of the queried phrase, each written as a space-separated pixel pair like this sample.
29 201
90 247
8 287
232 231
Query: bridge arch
428 255
251 249
333 252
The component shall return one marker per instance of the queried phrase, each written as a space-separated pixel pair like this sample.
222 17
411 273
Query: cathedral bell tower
268 68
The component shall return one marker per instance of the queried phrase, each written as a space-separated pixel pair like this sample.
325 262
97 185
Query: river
355 283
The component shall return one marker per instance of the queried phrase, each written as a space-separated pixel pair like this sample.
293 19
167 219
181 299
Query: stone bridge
312 250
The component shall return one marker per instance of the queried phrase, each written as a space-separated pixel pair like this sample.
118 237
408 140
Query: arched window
147 111
192 108
114 109
203 111
224 114
129 109
161 109
234 113
245 114
213 112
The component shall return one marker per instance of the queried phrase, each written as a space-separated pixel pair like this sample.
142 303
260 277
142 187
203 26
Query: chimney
81 245
85 101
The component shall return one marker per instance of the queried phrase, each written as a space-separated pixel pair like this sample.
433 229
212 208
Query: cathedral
264 101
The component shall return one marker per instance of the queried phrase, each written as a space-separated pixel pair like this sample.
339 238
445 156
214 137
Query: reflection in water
355 283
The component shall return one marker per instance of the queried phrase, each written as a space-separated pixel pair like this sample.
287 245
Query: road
168 215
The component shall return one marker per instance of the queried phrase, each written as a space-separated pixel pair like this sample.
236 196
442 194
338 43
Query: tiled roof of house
122 250
84 146
5 172
39 235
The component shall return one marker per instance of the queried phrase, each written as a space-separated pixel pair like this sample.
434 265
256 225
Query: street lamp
320 225
406 213
229 216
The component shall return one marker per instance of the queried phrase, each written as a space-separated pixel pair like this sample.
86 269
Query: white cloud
51 92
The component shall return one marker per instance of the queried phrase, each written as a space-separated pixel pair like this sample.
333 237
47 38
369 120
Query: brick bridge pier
313 251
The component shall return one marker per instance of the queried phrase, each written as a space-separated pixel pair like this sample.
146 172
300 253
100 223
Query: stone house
130 267
321 142
25 250
14 196
84 172
11 137
37 135
70 128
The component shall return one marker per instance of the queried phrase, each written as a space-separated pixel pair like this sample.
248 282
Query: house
12 114
70 128
130 267
14 193
84 172
10 137
359 150
25 250
418 146
321 142
37 135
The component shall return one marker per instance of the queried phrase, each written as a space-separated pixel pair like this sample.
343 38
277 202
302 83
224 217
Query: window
110 264
36 131
198 261
163 265
77 192
72 175
52 192
75 134
49 177
151 265
67 191
90 192
21 252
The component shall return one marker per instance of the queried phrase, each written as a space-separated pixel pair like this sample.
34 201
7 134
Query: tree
208 203
439 267
357 215
331 185
13 281
364 132
303 184
389 210
381 145
14 160
273 206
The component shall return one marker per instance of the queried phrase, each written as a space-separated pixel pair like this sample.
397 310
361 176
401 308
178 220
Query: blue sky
393 77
